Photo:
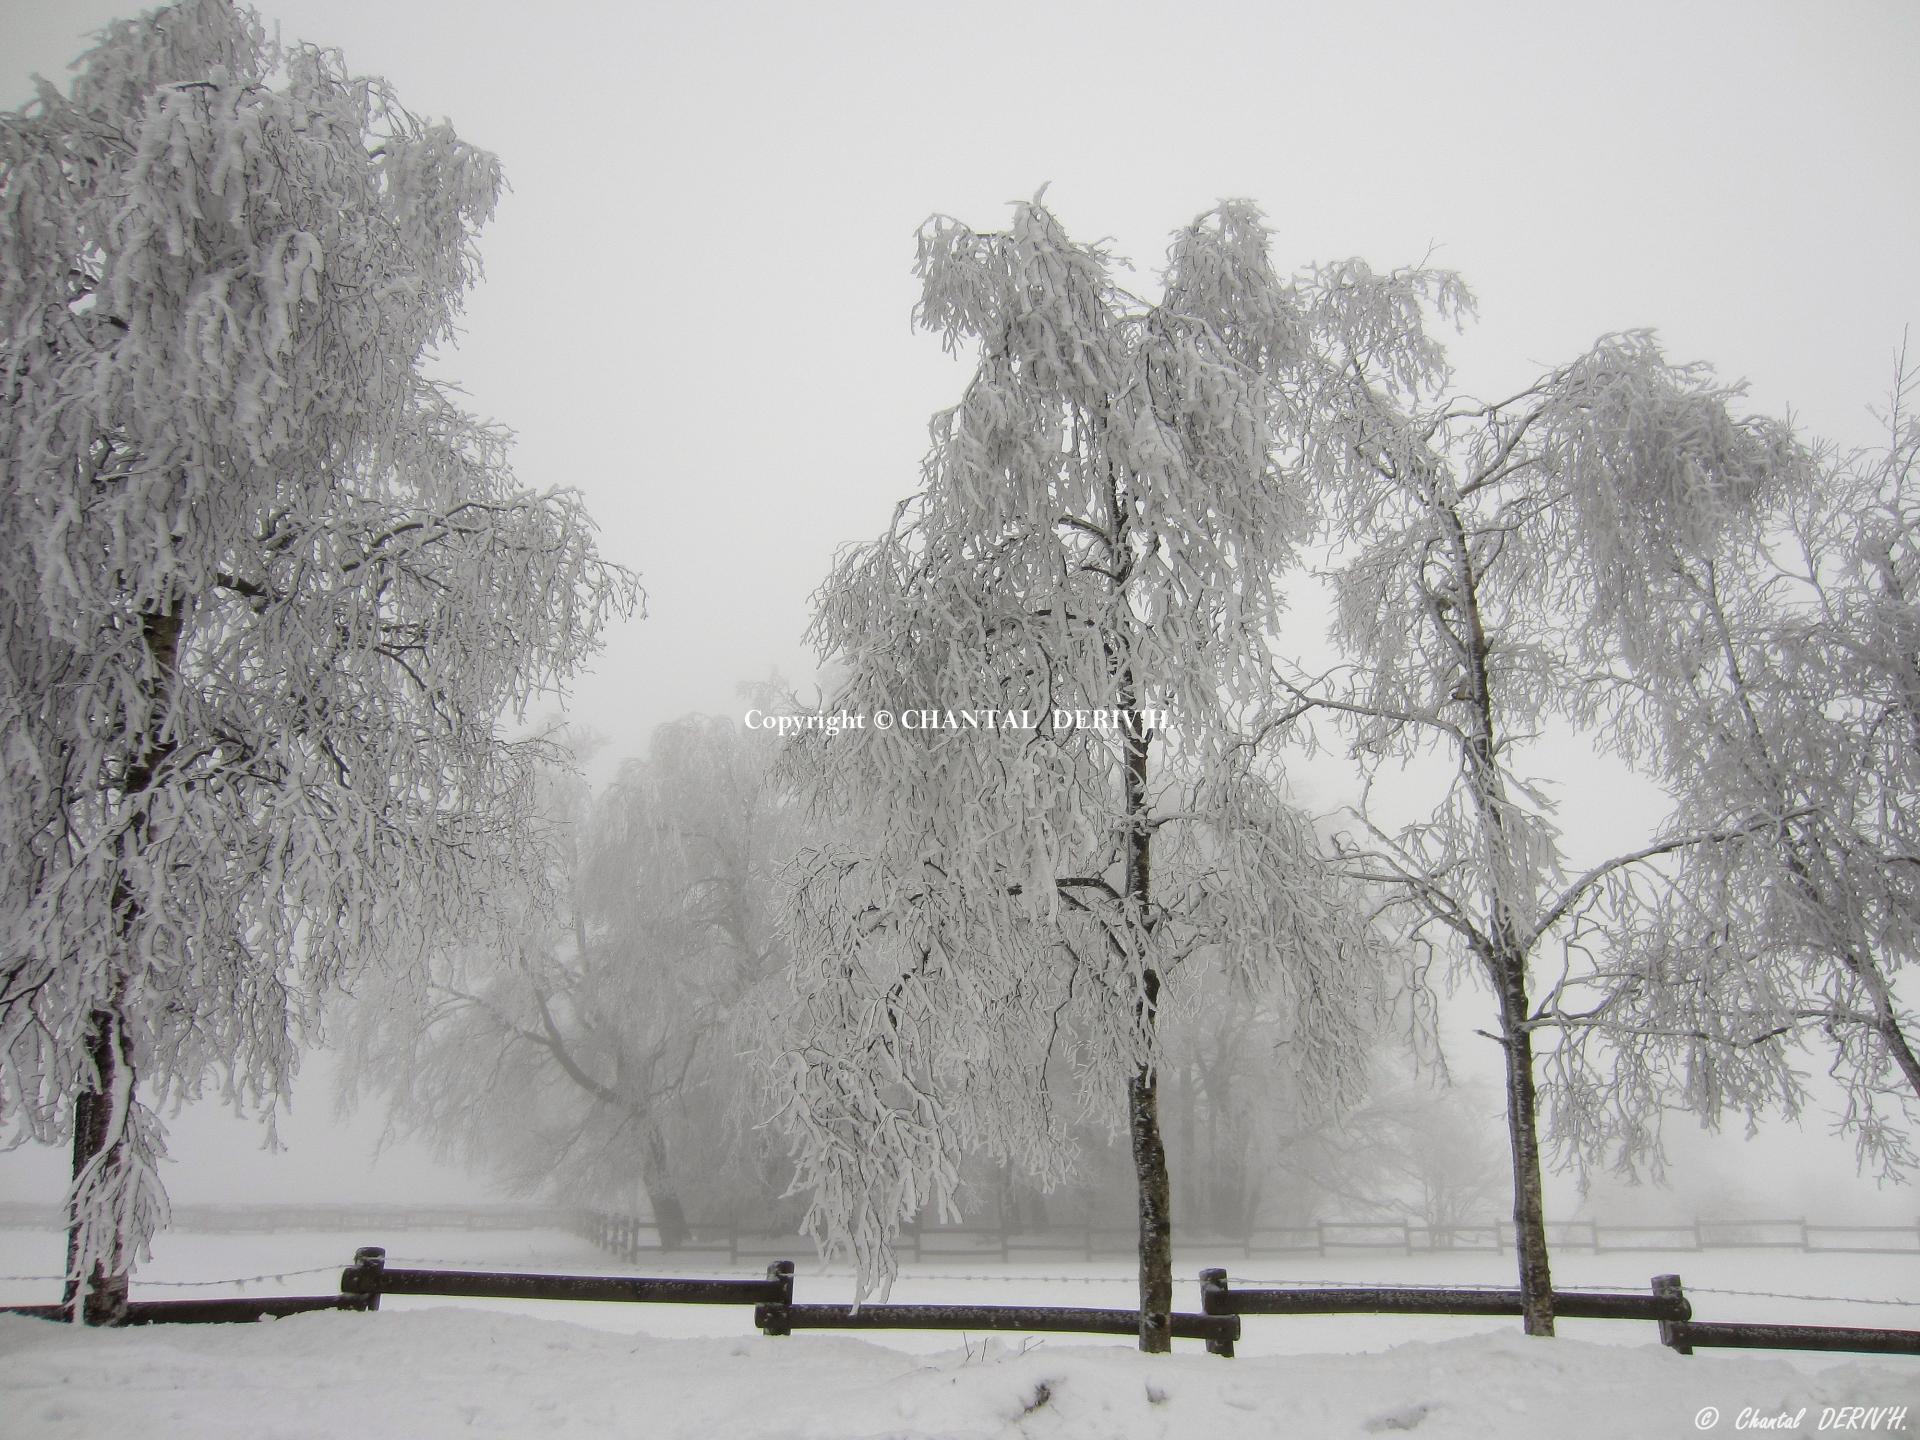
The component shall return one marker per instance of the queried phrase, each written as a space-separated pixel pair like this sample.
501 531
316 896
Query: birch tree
268 591
1784 702
1092 565
1499 560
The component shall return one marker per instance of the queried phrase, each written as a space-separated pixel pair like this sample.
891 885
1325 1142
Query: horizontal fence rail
242 1310
1666 1304
1218 1324
369 1275
1219 1331
1731 1335
1217 1298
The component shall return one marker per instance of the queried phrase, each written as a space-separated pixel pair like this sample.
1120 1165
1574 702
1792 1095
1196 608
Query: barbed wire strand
193 1284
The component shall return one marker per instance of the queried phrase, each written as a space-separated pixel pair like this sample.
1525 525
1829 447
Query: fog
697 301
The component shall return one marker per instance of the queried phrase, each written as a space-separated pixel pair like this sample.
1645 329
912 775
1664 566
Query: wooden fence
1218 1323
1666 1304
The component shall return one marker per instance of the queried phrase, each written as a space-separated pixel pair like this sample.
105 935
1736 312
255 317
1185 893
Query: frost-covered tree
1854 655
1093 563
1783 701
267 591
594 1051
1499 560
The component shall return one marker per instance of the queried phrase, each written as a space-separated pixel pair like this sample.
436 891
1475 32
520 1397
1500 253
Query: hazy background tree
1495 561
1101 529
1421 1149
1247 1147
599 1053
267 590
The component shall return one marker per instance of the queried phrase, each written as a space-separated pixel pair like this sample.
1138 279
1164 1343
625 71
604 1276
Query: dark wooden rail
1219 1331
1217 1298
370 1276
1666 1304
224 1311
1731 1335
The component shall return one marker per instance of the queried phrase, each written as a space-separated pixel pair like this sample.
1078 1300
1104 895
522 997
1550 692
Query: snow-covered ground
422 1369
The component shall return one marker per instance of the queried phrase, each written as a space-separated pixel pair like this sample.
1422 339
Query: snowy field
423 1368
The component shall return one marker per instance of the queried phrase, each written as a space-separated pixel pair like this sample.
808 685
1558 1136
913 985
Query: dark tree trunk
663 1197
1505 954
1143 1089
1156 1213
1187 1108
99 1132
1523 1135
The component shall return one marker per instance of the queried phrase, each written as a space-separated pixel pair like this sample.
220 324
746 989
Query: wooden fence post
1214 1301
368 1262
1667 1287
772 1317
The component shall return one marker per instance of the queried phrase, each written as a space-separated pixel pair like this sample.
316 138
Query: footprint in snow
1405 1418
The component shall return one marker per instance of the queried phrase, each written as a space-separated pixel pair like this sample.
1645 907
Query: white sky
697 300
696 309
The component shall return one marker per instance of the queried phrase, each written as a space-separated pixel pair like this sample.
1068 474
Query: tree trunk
1529 1209
1187 1108
103 1118
100 1118
1902 1052
103 1107
1505 956
663 1197
1156 1213
1143 1089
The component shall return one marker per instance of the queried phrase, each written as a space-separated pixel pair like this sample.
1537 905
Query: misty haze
1238 684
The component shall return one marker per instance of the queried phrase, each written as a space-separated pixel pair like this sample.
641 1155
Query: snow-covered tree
267 590
1500 563
1091 565
594 1052
1783 701
1856 659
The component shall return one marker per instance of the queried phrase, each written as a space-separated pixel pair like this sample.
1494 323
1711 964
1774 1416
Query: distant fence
1218 1323
630 1237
